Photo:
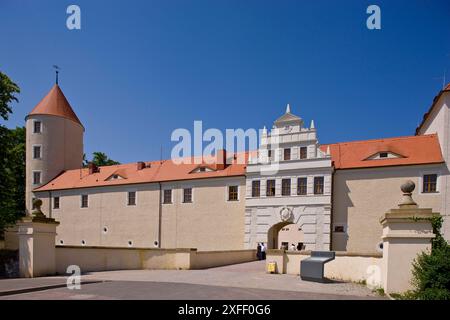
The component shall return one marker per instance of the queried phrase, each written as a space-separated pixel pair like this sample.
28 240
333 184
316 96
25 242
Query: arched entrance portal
284 233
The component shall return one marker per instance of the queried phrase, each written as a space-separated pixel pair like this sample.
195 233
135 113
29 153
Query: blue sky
137 70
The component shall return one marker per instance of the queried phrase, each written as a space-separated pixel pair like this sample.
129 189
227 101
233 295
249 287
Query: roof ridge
381 139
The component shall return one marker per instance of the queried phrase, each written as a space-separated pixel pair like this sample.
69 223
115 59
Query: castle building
292 191
288 189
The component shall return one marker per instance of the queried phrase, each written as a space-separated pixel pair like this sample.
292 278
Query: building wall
362 196
61 142
209 223
439 122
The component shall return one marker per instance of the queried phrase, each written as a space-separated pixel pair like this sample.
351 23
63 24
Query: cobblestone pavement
240 281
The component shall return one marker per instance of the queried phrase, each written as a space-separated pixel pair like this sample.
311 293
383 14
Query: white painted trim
42 126
171 196
135 198
438 181
32 151
40 177
182 187
227 191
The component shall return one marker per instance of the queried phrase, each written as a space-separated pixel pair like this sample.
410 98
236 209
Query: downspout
159 214
49 204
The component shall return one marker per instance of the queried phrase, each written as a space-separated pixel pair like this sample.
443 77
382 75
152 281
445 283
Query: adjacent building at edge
290 192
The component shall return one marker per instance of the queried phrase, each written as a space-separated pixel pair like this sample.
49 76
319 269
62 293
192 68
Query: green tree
431 271
99 159
12 159
8 91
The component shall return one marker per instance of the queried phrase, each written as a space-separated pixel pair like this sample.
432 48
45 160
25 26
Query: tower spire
57 72
288 108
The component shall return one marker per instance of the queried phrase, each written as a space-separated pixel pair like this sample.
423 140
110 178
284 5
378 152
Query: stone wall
116 258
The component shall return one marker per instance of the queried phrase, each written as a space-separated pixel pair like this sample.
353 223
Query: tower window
303 152
132 198
84 201
286 187
187 195
256 188
270 192
429 183
36 152
318 185
36 177
269 153
232 193
167 196
56 203
37 127
302 186
287 154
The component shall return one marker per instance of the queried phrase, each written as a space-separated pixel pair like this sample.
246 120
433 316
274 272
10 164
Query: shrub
431 271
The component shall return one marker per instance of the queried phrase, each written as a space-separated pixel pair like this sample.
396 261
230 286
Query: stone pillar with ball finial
37 243
407 231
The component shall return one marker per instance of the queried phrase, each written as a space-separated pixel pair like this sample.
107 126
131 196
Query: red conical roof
56 104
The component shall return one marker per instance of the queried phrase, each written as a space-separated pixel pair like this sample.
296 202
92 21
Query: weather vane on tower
57 71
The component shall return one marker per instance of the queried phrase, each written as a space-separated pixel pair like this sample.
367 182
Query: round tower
54 142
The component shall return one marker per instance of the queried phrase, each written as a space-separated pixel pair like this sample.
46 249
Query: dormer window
115 176
201 169
384 155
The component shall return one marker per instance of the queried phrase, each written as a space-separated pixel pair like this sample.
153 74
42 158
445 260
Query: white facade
294 158
438 121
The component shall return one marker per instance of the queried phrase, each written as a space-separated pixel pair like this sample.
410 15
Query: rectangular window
269 153
167 196
302 186
270 190
33 206
318 185
36 152
187 195
339 229
429 183
36 177
232 193
256 188
132 198
287 154
37 127
84 201
56 203
286 187
303 152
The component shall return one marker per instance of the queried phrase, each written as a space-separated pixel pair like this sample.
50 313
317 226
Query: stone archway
285 231
272 234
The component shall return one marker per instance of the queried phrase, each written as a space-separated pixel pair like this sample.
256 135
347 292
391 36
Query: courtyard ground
240 282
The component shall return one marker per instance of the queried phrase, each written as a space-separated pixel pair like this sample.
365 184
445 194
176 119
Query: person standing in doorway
258 252
263 251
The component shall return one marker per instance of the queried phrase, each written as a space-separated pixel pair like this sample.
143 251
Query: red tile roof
435 100
155 171
413 150
55 104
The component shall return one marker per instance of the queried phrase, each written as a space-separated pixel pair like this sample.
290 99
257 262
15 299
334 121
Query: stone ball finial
408 186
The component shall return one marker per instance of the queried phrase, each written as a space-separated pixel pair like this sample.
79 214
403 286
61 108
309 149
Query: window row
287 153
232 195
302 185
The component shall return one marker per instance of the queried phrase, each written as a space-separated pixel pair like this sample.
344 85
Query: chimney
140 165
92 168
221 159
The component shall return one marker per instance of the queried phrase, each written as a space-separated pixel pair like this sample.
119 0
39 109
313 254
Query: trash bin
271 267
